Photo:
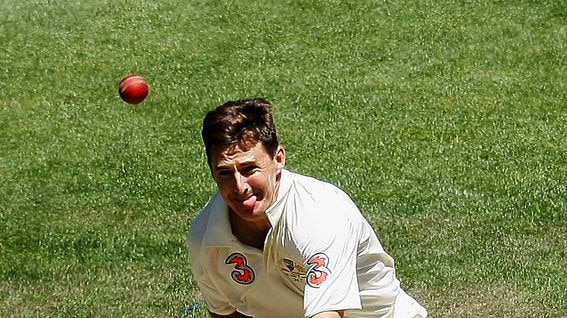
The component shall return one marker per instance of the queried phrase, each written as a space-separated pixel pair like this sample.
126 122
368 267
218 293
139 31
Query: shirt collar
218 232
275 211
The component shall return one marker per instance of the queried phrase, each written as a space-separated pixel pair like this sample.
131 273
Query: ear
280 157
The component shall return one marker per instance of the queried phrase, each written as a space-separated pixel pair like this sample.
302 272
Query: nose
241 185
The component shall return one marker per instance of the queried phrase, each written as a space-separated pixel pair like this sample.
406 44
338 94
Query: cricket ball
133 89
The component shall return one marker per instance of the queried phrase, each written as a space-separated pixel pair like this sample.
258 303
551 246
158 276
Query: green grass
445 120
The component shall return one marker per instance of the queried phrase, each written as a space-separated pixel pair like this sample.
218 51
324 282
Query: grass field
444 119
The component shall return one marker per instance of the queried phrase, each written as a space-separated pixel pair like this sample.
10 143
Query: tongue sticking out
250 202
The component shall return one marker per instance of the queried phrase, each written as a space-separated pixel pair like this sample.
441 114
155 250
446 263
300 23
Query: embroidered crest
294 271
288 263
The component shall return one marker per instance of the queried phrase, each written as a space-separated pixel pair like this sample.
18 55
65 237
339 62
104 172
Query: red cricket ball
133 89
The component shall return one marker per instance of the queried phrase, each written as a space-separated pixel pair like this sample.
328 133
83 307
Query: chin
257 212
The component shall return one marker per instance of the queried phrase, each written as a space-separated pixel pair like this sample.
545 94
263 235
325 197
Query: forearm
329 314
235 314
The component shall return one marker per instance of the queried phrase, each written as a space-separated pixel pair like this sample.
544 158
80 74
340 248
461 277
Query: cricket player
276 244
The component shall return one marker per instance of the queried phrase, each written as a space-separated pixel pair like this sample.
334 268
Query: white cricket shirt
320 255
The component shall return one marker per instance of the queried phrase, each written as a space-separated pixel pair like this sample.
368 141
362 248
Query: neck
251 233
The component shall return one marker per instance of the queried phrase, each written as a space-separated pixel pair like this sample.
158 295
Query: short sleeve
331 258
215 300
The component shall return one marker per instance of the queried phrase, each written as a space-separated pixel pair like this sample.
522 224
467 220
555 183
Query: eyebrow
241 164
220 167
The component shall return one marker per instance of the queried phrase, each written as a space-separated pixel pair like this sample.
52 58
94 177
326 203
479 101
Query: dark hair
241 123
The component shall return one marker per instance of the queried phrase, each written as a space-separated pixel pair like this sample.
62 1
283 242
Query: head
244 155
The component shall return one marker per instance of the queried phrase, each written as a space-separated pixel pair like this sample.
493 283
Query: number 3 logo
242 273
319 271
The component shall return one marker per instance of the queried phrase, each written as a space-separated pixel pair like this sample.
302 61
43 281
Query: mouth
250 202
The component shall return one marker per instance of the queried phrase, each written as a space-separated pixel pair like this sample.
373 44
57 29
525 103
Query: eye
248 170
223 173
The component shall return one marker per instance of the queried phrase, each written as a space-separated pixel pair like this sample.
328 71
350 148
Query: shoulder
313 185
320 195
318 206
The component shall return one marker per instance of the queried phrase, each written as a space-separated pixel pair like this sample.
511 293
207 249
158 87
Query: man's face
248 180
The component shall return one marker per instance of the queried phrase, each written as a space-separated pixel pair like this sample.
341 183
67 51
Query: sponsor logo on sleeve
318 270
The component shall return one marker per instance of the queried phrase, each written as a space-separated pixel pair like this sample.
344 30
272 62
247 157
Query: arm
330 314
235 314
